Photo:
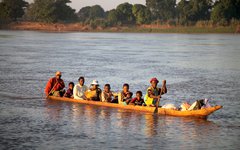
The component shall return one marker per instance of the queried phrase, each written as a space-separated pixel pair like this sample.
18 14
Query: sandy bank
78 27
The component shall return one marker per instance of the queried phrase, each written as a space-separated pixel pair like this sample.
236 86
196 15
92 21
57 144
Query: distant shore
78 27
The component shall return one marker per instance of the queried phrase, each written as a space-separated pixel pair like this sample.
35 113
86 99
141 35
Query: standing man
55 85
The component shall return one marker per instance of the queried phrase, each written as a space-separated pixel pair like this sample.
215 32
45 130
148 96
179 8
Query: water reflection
123 119
193 65
105 115
120 126
151 125
53 109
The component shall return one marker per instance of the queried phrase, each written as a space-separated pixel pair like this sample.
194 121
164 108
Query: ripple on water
195 67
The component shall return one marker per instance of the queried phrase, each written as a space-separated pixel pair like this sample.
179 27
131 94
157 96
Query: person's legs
61 93
56 93
154 101
114 101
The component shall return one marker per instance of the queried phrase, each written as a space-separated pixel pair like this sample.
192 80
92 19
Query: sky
106 4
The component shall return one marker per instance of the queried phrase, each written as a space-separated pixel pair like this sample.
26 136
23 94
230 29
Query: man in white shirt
79 89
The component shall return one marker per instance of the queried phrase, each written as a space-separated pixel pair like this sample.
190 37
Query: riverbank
78 27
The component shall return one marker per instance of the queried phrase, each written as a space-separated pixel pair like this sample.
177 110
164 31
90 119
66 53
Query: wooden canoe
201 113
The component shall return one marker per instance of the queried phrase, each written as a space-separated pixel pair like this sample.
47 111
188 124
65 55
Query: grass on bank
189 29
232 28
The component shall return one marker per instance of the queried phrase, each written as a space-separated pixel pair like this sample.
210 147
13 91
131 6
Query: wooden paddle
161 92
51 90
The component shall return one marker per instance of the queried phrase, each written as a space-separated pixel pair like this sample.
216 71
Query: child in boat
138 99
124 95
154 93
94 92
107 94
128 98
69 92
79 89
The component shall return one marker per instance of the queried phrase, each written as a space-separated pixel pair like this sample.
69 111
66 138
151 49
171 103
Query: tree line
186 12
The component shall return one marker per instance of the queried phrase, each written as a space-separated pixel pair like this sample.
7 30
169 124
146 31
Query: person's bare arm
164 87
150 94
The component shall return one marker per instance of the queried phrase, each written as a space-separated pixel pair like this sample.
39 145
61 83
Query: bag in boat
169 106
185 106
90 94
197 105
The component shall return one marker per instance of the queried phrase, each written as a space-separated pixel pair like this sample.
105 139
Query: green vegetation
189 12
182 29
94 16
10 10
125 15
141 13
162 9
225 10
112 17
90 13
50 11
198 13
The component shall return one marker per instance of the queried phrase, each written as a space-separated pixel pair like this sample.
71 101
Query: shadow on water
11 95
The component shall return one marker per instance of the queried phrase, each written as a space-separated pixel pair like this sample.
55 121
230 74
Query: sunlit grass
228 29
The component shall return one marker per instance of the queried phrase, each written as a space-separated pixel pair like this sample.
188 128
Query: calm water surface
194 65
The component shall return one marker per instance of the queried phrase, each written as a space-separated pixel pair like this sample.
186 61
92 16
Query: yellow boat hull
201 113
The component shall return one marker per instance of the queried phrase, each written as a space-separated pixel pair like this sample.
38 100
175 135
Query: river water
195 66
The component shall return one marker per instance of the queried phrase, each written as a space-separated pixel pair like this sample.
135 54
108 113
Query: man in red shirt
55 85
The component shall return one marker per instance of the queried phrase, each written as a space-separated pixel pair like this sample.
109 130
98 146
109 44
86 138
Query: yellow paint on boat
201 113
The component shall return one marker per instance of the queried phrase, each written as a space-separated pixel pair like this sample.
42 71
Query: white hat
94 82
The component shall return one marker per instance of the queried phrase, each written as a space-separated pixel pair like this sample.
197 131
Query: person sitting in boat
123 96
107 94
79 89
69 92
55 85
94 92
138 100
128 98
154 93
